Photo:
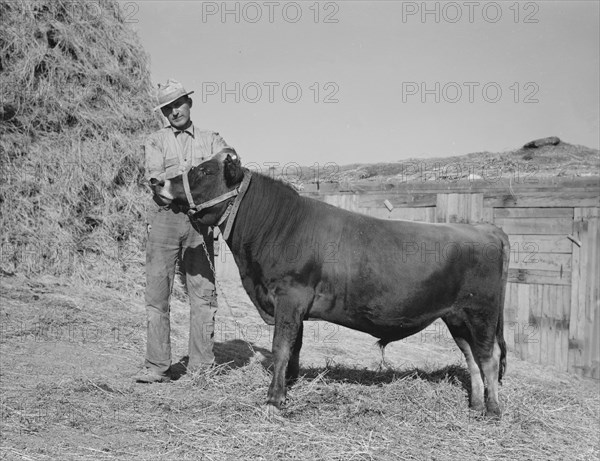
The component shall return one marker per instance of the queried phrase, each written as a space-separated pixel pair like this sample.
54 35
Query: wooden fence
552 308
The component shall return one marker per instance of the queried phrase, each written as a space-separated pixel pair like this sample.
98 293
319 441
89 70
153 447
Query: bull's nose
156 182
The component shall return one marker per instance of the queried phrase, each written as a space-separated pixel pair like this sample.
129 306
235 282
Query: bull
388 278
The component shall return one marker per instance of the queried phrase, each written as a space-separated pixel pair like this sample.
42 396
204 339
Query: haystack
75 104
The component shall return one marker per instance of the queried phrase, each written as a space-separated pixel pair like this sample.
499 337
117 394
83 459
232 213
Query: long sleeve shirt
170 152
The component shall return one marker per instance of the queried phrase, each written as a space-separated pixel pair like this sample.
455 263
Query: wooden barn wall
552 307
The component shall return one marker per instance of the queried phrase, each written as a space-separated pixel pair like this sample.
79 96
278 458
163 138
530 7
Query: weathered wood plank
409 199
537 277
462 208
534 323
529 244
535 225
591 296
491 198
554 343
488 214
560 262
510 317
549 199
441 208
563 312
548 325
595 298
345 201
588 212
497 184
514 297
577 318
476 208
533 212
595 359
430 214
410 214
523 311
455 213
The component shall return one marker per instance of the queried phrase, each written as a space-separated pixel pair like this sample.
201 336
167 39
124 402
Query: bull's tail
500 325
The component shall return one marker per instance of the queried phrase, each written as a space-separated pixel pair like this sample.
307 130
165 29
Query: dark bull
363 289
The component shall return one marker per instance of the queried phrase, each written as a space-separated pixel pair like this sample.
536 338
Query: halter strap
207 204
186 188
232 209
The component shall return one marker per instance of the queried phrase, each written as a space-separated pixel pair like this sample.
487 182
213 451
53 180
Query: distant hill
560 160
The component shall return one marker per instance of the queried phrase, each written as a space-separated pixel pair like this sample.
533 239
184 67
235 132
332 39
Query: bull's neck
266 214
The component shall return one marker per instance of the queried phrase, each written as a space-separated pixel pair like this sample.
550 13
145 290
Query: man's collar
189 130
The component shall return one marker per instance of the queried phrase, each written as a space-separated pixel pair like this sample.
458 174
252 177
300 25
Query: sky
380 81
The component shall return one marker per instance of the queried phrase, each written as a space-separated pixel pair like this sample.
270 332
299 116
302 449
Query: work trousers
173 239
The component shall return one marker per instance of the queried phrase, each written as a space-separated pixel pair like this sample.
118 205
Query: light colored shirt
170 152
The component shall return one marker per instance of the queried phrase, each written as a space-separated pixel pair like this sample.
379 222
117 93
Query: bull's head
208 181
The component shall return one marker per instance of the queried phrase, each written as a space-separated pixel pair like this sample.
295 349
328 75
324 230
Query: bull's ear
232 167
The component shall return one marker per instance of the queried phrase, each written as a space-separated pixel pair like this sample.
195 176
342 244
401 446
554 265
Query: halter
232 208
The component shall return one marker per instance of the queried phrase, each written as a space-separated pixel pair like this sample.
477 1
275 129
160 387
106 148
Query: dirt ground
69 352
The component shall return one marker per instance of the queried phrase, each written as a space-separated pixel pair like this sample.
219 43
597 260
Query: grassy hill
561 160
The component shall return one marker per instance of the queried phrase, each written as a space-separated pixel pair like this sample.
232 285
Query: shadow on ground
238 353
235 354
366 377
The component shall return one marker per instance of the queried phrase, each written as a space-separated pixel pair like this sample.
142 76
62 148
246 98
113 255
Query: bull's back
399 275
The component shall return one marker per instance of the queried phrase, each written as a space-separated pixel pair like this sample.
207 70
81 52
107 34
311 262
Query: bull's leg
486 352
490 364
289 311
293 368
477 389
460 333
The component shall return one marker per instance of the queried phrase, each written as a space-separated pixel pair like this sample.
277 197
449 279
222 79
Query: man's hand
154 183
158 200
175 208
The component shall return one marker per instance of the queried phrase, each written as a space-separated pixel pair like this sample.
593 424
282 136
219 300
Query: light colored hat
169 92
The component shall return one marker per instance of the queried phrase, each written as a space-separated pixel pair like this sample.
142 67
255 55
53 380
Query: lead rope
230 214
217 284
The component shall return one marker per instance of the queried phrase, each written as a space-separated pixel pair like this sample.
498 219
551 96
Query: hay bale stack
75 103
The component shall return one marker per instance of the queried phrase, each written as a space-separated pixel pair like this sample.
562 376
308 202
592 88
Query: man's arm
154 164
218 144
153 158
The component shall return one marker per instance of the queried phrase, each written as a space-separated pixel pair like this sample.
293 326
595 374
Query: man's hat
169 92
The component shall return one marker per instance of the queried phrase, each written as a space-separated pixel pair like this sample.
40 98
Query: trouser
171 238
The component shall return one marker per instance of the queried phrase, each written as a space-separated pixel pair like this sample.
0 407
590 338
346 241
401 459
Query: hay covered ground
74 108
68 353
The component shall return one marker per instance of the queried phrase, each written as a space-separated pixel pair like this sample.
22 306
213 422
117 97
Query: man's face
178 112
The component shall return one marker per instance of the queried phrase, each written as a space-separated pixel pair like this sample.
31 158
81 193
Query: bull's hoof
273 412
476 415
290 381
493 412
477 407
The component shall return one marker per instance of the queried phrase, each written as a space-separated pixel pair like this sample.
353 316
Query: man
171 239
